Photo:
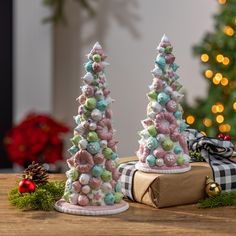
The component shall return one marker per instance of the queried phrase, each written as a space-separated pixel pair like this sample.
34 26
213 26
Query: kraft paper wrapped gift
165 190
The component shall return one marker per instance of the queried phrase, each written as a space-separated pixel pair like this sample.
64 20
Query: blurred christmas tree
217 113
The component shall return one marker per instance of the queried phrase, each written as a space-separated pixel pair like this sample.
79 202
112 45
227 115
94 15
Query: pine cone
37 173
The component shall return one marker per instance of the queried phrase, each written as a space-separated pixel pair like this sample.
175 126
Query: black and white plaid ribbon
127 171
216 152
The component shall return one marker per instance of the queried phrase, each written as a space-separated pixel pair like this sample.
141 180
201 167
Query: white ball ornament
103 143
73 198
156 107
85 189
92 126
159 162
99 94
80 129
88 78
151 115
96 115
106 187
84 179
83 143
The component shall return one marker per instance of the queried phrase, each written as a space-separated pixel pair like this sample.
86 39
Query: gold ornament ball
212 189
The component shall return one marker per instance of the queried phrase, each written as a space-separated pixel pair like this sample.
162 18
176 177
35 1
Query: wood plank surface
137 220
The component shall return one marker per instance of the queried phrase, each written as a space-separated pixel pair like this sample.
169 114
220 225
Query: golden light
224 81
216 81
219 119
234 105
222 2
207 122
228 128
208 74
220 107
224 128
228 30
204 57
214 108
220 58
218 76
226 61
217 108
190 119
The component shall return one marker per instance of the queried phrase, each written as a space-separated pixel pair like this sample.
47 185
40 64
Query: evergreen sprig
43 198
225 199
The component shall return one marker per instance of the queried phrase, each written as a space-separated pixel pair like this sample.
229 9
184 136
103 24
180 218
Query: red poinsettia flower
36 138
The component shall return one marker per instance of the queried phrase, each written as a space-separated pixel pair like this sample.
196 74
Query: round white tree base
68 208
171 170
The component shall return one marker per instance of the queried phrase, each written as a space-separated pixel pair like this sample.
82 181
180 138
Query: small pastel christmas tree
163 148
92 186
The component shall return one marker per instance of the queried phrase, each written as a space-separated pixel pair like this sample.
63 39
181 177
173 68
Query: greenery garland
43 198
225 199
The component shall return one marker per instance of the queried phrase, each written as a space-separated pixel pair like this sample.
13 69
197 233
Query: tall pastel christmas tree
92 186
163 148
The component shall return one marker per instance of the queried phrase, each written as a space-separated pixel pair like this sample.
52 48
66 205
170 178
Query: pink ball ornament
76 186
106 92
95 183
159 153
110 165
112 144
170 58
98 158
157 84
108 113
104 129
170 159
113 183
83 200
116 175
171 106
97 67
174 136
143 152
81 99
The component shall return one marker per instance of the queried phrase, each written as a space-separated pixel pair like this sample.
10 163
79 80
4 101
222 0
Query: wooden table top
137 220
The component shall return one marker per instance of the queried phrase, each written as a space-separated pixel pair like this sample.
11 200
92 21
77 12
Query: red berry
221 136
26 185
227 137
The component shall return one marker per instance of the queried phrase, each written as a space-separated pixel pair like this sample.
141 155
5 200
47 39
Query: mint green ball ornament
106 176
151 160
92 136
107 152
96 58
109 199
167 144
180 161
91 103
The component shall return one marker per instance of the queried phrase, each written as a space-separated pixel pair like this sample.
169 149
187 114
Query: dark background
6 72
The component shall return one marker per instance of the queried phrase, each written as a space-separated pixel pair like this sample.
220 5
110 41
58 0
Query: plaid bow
216 152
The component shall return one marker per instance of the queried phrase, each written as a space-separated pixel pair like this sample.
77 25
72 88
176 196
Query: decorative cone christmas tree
92 186
163 148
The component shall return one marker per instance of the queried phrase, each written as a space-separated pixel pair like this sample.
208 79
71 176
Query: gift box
164 190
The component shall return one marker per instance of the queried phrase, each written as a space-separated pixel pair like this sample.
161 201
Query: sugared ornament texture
163 148
92 180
